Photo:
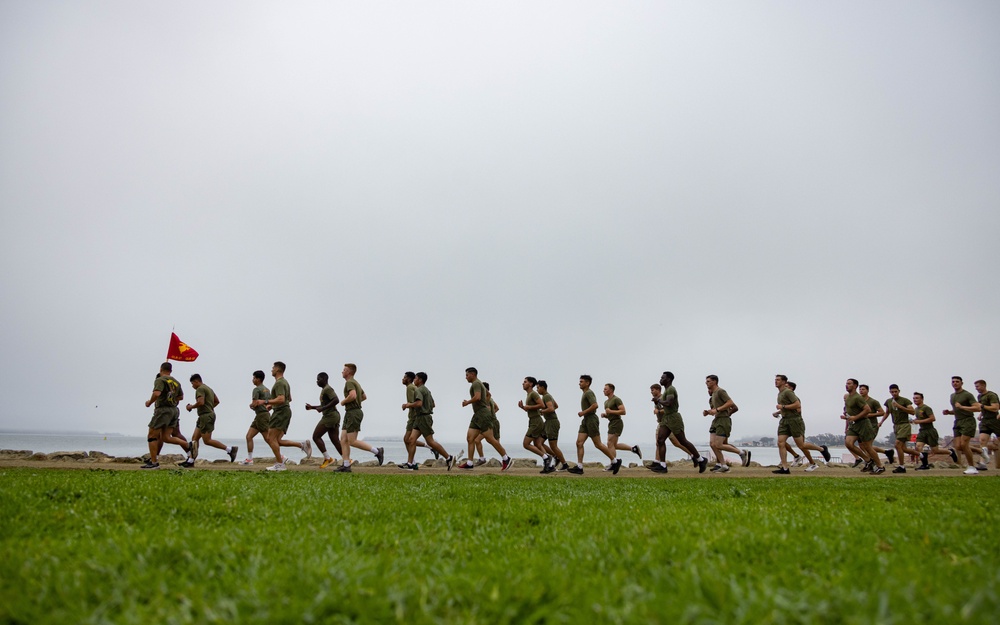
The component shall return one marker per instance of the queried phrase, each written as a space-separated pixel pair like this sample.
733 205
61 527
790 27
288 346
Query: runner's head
322 379
258 377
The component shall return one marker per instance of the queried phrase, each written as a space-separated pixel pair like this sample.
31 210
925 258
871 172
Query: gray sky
546 189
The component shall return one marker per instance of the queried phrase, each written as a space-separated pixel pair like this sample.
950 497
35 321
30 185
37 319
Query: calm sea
394 450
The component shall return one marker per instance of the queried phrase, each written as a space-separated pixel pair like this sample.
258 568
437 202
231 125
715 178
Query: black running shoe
435 452
506 464
187 464
450 462
856 463
954 456
890 454
878 470
380 455
150 465
637 451
826 453
575 470
868 467
924 467
232 453
695 461
657 468
343 469
702 464
899 469
617 464
564 467
746 460
782 471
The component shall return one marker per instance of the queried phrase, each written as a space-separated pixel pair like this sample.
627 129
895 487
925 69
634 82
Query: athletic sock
347 463
326 456
579 466
228 449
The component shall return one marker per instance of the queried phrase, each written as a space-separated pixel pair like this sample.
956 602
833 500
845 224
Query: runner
614 410
590 427
551 429
494 409
859 429
722 408
534 436
875 412
792 425
423 423
281 417
482 420
989 425
262 416
353 416
205 402
896 407
964 408
670 425
329 422
927 435
167 393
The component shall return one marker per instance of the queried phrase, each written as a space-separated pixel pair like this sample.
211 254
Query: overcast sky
531 188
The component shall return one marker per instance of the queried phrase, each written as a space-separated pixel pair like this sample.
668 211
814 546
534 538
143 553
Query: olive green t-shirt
961 399
208 407
873 406
669 410
546 400
427 400
899 417
170 389
329 396
482 407
719 398
989 398
613 403
349 385
925 412
411 396
260 392
281 387
854 404
533 399
787 396
588 399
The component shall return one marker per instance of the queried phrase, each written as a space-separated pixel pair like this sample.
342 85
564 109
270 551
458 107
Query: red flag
179 350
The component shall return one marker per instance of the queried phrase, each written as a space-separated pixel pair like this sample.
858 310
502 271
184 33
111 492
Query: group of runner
272 416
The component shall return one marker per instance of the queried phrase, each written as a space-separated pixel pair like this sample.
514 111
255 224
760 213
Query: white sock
579 465
374 451
326 455
347 463
545 457
228 449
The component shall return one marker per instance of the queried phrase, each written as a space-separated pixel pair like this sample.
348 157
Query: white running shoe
247 461
307 447
277 467
797 462
971 471
812 467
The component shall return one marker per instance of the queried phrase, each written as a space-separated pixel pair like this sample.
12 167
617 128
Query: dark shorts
616 426
902 431
424 424
331 421
966 426
206 423
792 426
928 437
673 422
989 426
536 428
862 429
162 418
721 426
496 428
261 422
352 420
590 425
552 429
280 419
481 422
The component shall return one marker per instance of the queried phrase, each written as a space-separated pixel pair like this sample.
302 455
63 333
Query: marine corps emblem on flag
179 350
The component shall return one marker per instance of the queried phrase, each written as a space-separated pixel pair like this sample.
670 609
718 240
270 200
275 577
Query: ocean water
395 451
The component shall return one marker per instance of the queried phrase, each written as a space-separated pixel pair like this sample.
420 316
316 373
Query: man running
793 426
353 416
551 429
614 410
964 408
205 402
875 413
896 407
670 425
927 435
590 427
494 409
534 436
262 416
722 408
423 422
167 393
989 425
482 420
859 430
329 422
281 416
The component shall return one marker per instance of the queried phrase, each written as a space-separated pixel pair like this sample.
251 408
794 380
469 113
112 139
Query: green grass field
235 547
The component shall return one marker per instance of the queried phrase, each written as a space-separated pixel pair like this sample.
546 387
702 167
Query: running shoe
564 467
435 452
247 461
812 467
194 449
981 467
506 464
702 463
326 462
868 467
716 468
924 457
307 447
150 465
826 453
694 459
340 469
656 467
798 461
724 468
575 470
971 471
924 467
232 453
637 451
278 466
450 462
857 461
746 461
187 464
609 467
954 456
782 471
380 455
480 462
878 470
899 469
466 465
616 466
890 454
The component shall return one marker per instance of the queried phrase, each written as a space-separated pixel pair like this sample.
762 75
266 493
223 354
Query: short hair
864 386
258 374
712 377
323 375
543 384
668 374
656 386
784 378
915 393
983 382
353 368
611 385
893 386
486 385
956 377
166 367
280 365
195 376
853 380
422 376
792 385
587 378
472 370
532 380
409 375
